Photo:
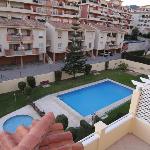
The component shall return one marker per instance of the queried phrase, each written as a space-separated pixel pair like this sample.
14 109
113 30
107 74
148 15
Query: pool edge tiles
105 108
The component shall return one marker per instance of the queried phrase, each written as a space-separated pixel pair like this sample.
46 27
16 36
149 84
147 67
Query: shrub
84 124
21 85
58 75
137 53
96 119
106 65
31 81
28 91
123 66
88 68
73 131
62 119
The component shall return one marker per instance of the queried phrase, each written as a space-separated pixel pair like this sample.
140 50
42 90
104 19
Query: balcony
41 10
65 15
93 18
15 10
18 39
124 134
110 47
12 53
95 11
109 39
65 6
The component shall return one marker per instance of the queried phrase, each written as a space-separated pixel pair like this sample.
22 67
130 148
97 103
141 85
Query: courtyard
10 103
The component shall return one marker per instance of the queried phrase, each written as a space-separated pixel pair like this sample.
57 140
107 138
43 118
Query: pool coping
26 110
100 112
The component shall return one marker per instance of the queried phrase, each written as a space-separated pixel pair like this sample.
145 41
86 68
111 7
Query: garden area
15 100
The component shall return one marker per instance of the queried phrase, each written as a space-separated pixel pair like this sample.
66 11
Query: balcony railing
18 38
12 9
109 47
65 6
12 53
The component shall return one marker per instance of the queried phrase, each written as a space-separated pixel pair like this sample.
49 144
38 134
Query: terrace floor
130 142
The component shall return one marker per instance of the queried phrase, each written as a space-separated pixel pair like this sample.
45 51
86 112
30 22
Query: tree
21 86
75 59
135 33
28 92
88 68
31 81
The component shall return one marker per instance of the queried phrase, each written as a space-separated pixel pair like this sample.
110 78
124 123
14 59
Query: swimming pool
12 123
90 99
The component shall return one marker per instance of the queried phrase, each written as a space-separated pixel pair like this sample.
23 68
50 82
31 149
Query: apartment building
21 41
141 19
34 9
110 13
108 38
59 36
64 10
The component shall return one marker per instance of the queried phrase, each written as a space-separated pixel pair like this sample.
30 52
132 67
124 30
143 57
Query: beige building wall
11 85
89 38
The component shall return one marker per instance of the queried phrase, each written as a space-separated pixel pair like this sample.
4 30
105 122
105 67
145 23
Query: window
59 45
90 45
59 35
41 34
41 46
109 34
114 34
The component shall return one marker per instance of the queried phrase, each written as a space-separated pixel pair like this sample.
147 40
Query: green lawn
8 103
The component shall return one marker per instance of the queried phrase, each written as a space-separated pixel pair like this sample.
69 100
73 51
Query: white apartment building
108 38
141 19
21 41
59 35
110 13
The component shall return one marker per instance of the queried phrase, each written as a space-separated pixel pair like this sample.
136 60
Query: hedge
139 59
136 56
137 53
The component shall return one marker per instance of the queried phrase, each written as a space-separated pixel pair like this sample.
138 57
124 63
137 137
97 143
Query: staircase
48 58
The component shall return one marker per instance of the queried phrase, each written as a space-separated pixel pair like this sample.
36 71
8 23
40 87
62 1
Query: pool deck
52 103
27 110
100 112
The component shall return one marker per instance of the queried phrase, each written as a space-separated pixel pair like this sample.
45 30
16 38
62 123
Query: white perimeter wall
12 85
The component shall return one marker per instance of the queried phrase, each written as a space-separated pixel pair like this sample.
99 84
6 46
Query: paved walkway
15 72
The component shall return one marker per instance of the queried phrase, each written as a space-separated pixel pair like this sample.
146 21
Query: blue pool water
12 123
88 100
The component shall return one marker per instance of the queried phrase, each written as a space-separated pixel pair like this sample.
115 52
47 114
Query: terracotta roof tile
107 29
43 134
68 26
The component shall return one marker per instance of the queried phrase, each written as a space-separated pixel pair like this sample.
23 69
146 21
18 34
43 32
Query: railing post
100 130
134 102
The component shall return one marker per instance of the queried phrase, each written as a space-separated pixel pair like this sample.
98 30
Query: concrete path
14 72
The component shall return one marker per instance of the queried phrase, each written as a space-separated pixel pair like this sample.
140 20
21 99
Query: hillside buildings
55 17
141 19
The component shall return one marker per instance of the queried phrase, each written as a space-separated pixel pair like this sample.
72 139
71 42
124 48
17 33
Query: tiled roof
4 22
61 25
107 29
67 26
44 134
